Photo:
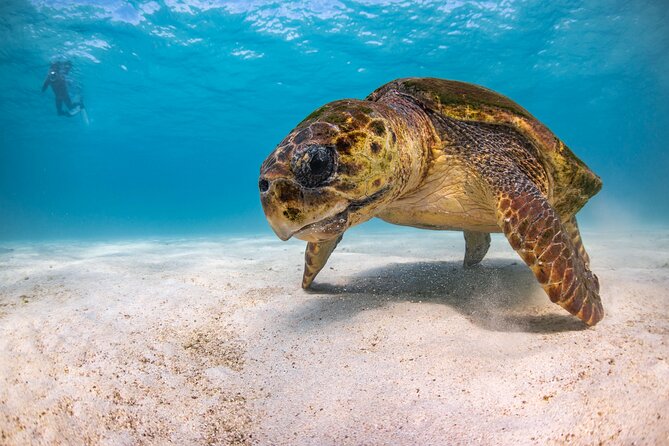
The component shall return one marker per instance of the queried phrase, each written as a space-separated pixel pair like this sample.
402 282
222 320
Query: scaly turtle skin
437 154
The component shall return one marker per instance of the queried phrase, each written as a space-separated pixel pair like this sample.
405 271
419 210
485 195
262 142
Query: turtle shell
573 183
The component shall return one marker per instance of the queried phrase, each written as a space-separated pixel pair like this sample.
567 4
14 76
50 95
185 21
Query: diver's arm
47 82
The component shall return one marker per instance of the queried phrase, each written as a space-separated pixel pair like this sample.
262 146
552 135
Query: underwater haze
185 99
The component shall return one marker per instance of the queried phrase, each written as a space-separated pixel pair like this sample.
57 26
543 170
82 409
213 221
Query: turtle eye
314 166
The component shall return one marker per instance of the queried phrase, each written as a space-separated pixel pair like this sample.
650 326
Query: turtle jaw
325 229
331 227
308 213
318 231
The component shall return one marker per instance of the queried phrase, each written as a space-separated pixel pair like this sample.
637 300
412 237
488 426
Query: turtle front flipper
476 247
535 231
315 258
572 229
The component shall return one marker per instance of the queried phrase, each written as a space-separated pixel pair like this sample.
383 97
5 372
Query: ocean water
186 98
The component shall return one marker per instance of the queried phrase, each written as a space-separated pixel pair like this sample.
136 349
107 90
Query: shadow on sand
497 295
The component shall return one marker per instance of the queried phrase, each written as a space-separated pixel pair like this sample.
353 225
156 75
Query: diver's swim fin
84 115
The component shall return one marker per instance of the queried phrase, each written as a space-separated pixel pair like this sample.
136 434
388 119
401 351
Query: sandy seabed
211 341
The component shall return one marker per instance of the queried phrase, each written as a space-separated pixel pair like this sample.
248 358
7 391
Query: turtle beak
281 231
290 210
277 211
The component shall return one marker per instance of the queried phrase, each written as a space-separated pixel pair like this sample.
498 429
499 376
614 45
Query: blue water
187 97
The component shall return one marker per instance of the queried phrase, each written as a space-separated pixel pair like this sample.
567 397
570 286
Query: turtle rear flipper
476 247
548 246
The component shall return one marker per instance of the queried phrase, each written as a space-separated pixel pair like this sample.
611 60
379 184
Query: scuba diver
58 79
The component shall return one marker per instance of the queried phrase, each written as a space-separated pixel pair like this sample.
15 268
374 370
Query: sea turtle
437 154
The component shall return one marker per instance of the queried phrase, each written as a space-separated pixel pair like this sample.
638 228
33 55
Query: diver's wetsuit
58 82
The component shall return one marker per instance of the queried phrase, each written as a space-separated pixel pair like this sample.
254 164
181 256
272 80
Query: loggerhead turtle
437 154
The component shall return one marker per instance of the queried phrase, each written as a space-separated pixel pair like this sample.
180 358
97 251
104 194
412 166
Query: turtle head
334 170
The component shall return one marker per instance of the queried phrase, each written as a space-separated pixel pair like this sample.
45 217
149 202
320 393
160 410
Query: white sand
212 342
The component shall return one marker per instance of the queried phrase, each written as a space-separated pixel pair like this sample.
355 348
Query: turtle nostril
263 185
